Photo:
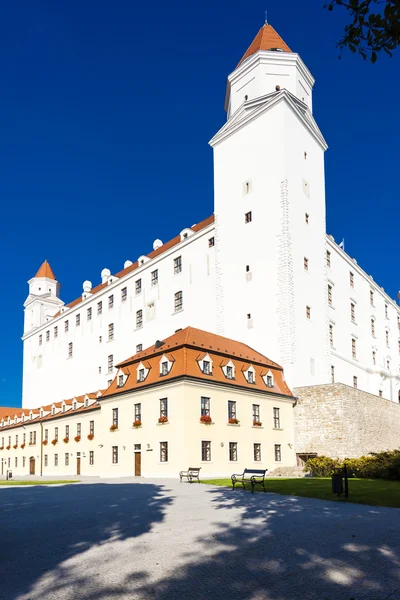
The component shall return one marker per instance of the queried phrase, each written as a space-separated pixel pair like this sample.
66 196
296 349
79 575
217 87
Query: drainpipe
41 449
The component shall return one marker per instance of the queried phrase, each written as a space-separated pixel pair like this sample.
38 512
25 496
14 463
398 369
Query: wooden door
78 466
138 464
31 466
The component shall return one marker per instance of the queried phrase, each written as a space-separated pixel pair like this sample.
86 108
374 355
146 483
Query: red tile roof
266 39
46 271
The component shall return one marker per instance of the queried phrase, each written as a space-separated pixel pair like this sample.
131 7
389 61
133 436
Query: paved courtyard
161 540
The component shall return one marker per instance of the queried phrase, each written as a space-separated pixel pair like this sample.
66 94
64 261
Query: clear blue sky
106 109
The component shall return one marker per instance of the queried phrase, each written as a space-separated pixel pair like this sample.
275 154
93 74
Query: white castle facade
262 270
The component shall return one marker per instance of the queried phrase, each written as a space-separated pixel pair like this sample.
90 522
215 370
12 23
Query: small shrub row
376 465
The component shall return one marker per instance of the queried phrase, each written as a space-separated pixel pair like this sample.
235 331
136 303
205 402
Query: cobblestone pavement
162 540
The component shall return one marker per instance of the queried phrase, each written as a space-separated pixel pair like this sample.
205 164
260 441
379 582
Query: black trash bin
337 482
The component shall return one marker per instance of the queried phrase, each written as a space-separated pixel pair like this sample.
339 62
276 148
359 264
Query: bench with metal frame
252 476
190 474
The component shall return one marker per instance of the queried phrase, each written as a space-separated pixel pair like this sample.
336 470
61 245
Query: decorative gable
142 372
121 378
229 370
206 364
185 233
250 374
269 379
165 365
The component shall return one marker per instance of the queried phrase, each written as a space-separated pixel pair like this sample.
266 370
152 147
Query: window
351 279
111 302
270 382
56 331
178 301
164 407
380 393
257 452
163 451
139 319
70 350
178 265
373 327
331 334
206 367
115 455
233 451
151 311
56 460
45 460
99 308
46 436
79 429
100 339
205 406
353 312
91 427
332 374
308 312
305 264
138 286
398 345
388 365
387 337
277 418
206 451
110 363
329 295
56 433
229 372
138 412
86 402
231 409
164 368
47 336
23 461
328 258
141 375
256 412
355 382
67 459
307 218
371 297
139 347
66 326
250 376
23 439
115 416
91 457
89 314
353 348
120 380
211 242
124 294
67 431
154 277
111 332
40 340
373 357
278 454
386 311
248 217
77 320
63 408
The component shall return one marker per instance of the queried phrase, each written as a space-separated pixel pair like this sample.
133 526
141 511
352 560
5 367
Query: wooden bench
252 476
190 474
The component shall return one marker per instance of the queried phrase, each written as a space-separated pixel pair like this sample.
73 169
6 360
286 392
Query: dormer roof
266 39
46 271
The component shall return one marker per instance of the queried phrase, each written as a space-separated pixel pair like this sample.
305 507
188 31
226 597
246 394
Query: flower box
137 423
113 427
90 436
163 420
77 438
15 446
205 419
257 423
44 442
54 442
233 421
66 440
2 447
8 447
22 446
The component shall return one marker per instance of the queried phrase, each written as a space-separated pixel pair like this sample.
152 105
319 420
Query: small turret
43 301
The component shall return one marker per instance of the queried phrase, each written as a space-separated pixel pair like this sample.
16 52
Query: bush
376 465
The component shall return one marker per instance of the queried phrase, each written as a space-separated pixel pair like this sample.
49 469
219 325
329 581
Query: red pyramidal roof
46 271
266 39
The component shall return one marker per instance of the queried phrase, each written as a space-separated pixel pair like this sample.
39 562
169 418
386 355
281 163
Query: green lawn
24 482
377 492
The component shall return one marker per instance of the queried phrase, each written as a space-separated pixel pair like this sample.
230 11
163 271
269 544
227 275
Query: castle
261 270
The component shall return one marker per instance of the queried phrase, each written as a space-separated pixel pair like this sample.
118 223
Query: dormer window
63 408
74 405
141 375
250 377
206 367
164 368
53 411
120 380
269 379
86 402
229 372
41 413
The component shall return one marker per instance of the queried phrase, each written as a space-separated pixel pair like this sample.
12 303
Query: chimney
105 274
157 244
127 264
87 286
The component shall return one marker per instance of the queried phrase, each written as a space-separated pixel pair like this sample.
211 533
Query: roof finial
266 17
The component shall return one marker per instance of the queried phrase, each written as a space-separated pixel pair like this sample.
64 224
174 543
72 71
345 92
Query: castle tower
43 300
270 212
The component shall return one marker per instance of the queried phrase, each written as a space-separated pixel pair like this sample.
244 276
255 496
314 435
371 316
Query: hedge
376 465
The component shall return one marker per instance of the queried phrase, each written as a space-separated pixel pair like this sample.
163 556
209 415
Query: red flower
137 423
22 445
233 421
44 442
113 427
257 423
8 447
77 438
15 446
54 442
90 436
163 419
205 419
66 440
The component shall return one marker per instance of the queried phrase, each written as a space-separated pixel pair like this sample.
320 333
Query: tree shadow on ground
43 529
